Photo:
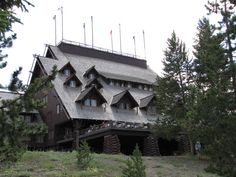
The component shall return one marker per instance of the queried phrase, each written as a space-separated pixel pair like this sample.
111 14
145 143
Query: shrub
84 157
134 165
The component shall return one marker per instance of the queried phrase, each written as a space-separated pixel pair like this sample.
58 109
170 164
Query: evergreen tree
84 157
227 29
134 165
12 125
172 90
7 18
214 106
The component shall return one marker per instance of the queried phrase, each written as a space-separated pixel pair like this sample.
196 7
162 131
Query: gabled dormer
50 54
91 73
94 82
91 97
148 104
67 70
73 81
124 100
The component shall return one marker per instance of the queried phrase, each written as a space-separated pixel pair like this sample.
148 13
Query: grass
63 164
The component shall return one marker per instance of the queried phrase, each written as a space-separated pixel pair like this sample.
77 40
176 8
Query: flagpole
120 38
62 30
111 40
144 45
84 33
55 20
92 28
134 46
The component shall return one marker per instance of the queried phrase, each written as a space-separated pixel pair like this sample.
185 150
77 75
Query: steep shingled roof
111 68
116 98
85 92
145 101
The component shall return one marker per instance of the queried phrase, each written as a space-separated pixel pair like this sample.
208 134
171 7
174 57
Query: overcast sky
157 18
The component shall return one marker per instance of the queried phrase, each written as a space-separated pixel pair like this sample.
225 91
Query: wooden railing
115 125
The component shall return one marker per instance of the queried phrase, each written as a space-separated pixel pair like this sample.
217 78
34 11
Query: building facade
99 96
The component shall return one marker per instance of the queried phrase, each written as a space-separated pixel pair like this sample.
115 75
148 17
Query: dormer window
124 100
66 72
129 85
111 82
94 82
91 97
140 86
145 87
148 104
91 76
91 73
117 84
90 102
72 81
124 105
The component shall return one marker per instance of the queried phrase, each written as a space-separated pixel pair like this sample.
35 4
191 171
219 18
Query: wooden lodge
99 96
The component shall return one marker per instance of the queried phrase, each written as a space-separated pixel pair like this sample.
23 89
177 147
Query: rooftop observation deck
81 49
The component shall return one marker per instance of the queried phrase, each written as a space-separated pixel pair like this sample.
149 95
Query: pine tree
215 123
12 125
227 29
134 165
7 18
84 157
172 90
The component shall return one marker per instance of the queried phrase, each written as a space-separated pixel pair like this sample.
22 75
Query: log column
184 143
151 147
111 144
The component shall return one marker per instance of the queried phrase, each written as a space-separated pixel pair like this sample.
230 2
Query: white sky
157 18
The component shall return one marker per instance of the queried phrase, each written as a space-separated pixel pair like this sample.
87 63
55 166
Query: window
140 87
90 102
124 106
145 87
66 72
72 83
91 76
150 88
117 84
93 102
111 82
129 85
58 108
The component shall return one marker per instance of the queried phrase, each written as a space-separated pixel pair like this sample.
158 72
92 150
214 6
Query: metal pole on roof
134 46
120 38
92 28
55 20
84 33
144 45
111 40
61 9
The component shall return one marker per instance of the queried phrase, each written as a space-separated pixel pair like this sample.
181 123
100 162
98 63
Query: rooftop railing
100 49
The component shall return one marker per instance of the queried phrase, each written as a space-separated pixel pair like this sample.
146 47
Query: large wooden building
99 96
